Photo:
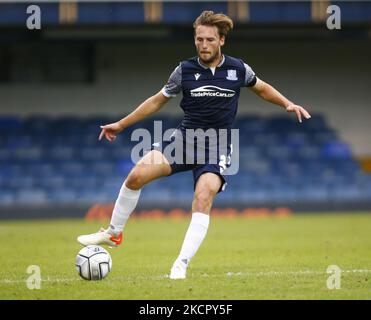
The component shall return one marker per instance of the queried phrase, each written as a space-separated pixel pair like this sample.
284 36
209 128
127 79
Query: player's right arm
144 110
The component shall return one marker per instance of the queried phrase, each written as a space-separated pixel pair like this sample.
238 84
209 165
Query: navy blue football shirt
210 95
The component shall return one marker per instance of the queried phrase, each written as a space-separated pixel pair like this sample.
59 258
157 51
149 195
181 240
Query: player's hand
299 110
110 131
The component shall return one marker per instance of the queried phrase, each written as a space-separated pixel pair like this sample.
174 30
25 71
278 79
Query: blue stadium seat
62 153
313 193
307 152
62 195
7 197
32 196
9 124
336 150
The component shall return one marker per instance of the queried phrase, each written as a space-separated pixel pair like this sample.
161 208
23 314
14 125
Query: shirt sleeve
174 84
250 77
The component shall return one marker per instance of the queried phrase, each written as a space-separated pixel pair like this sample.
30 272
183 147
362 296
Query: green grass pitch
241 258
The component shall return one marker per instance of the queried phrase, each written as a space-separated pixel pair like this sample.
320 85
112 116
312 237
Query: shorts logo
212 91
232 75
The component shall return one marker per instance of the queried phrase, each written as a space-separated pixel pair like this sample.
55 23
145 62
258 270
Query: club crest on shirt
231 75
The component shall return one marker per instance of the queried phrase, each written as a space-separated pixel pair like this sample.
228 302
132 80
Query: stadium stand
45 160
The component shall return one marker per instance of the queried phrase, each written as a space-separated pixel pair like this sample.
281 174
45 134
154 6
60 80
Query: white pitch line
299 272
11 281
165 276
49 279
284 273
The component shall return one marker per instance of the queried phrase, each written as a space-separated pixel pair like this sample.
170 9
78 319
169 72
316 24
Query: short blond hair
220 20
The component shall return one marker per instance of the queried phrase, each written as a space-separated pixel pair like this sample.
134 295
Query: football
93 263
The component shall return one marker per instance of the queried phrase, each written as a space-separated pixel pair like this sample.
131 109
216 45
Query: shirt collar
203 66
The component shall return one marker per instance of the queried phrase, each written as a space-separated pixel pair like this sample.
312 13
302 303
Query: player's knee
135 180
203 199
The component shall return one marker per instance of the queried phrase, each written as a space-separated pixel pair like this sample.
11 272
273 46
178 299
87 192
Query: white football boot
102 237
179 269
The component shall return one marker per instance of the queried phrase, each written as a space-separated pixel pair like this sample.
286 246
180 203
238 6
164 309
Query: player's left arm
268 93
